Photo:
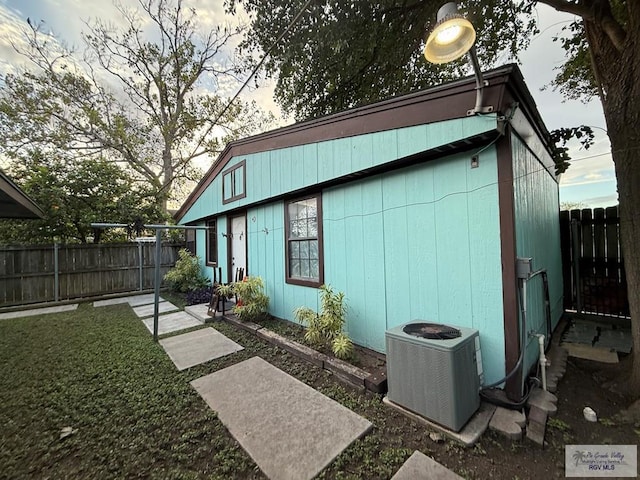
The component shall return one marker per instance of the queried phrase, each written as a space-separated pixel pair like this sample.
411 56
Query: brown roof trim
444 102
14 203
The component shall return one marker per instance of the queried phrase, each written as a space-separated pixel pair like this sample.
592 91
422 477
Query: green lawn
99 372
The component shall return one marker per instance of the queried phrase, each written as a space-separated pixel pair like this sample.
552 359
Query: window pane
298 228
295 268
304 268
304 250
312 228
227 186
295 249
238 177
313 250
314 271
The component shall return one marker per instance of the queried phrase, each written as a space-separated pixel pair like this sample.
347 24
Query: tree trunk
167 176
618 71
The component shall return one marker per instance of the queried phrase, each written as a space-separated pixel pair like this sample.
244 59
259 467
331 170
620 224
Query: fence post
140 259
56 273
576 262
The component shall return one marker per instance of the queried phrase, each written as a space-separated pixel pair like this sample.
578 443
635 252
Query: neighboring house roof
14 203
505 86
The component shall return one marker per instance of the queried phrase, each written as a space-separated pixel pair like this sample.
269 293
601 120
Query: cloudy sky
590 180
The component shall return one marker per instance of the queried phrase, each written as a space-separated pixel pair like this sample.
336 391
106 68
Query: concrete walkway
200 346
148 310
38 311
290 430
172 322
133 300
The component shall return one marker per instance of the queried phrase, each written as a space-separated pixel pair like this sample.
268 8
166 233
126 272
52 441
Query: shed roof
14 203
505 85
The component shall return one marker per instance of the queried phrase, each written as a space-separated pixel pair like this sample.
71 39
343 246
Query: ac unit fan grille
433 331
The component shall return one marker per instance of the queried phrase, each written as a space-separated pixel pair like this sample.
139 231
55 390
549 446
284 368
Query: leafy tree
346 53
572 206
143 103
73 195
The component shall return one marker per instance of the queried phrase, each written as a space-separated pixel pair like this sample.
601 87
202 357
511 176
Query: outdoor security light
451 38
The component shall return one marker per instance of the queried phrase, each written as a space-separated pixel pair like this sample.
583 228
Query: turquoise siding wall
276 172
266 259
538 237
419 243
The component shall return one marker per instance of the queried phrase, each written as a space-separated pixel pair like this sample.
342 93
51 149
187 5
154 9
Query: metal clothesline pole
157 278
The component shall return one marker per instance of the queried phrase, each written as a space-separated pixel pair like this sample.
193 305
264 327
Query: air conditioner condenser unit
433 370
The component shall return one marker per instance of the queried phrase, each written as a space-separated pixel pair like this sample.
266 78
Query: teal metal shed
410 207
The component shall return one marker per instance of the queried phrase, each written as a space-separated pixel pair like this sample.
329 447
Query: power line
264 57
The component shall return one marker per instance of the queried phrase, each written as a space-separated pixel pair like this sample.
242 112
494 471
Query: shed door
238 245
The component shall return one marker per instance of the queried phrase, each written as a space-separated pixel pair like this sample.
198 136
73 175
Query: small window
212 242
190 240
304 256
234 183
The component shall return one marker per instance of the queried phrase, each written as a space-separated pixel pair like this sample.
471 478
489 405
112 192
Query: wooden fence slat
599 242
586 221
613 257
565 248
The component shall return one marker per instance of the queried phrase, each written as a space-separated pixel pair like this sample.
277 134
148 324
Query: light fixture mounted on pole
450 39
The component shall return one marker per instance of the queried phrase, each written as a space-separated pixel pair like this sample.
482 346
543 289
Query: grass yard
135 416
99 372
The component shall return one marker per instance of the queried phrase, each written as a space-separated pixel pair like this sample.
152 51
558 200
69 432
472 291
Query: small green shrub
186 276
252 301
325 328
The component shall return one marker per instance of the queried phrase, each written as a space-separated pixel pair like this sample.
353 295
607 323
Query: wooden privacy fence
33 274
594 277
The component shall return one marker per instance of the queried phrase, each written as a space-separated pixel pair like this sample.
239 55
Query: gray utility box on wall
435 378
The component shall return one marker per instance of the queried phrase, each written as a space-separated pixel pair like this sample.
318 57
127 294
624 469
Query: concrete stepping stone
544 400
289 429
133 300
148 310
110 301
508 423
200 346
38 311
172 322
144 299
199 312
537 425
420 467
